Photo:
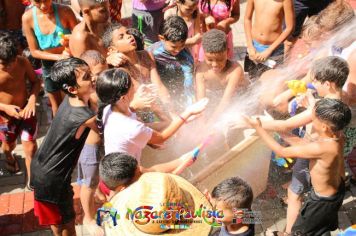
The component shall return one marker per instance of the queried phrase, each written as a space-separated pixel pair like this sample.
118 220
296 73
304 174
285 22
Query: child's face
44 5
122 41
174 47
228 212
321 88
85 81
188 7
318 125
99 13
216 61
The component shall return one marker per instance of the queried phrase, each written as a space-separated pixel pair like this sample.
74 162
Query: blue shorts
88 166
261 47
300 177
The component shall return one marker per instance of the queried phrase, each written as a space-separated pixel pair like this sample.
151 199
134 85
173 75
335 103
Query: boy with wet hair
324 150
234 196
54 162
174 62
217 76
87 34
118 170
17 106
91 154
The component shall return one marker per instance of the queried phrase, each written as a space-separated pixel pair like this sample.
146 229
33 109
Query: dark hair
93 57
107 36
195 13
174 29
117 169
63 72
333 111
234 192
138 38
8 48
333 69
111 85
214 41
36 63
88 2
205 2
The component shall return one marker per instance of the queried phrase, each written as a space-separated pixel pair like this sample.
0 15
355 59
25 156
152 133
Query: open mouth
133 42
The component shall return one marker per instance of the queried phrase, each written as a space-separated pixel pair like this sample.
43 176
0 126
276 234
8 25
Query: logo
107 215
246 216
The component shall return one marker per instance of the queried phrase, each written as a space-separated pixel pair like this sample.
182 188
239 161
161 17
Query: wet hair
214 41
117 169
234 192
93 57
174 29
333 69
334 112
140 43
8 48
195 13
90 3
36 63
63 72
111 85
203 3
330 19
107 36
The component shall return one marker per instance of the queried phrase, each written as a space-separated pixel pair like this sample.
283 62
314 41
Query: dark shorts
304 8
300 177
88 166
319 214
148 23
27 129
255 70
55 214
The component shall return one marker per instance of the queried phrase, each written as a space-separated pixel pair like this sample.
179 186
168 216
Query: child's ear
72 90
161 37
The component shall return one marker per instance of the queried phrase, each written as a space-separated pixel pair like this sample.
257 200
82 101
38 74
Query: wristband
184 120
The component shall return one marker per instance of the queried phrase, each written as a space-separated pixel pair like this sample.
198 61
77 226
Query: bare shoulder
27 16
202 67
234 68
79 32
4 77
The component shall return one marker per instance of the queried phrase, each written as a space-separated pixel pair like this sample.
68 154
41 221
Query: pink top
219 11
148 5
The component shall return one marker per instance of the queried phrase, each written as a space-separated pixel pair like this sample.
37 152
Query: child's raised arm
224 25
200 82
311 150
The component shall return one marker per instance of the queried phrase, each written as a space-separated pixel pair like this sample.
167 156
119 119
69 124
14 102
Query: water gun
351 231
200 147
64 41
280 161
299 86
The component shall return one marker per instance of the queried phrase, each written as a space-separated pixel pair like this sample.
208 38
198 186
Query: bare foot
93 228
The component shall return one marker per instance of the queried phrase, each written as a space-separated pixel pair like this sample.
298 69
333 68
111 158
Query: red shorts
27 129
53 214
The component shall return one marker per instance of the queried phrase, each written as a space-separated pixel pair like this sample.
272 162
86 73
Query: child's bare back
268 20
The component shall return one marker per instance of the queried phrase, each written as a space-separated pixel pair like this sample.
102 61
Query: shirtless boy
17 106
87 34
217 76
325 153
266 36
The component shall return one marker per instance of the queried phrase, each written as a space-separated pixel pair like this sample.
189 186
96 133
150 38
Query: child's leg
294 205
29 148
8 146
64 230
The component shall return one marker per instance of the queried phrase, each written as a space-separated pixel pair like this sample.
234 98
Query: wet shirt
176 73
55 160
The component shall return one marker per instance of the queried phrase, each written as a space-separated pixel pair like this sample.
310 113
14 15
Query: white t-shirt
124 133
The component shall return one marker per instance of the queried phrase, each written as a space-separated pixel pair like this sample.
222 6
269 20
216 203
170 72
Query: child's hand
63 56
142 98
13 111
210 22
263 56
197 107
251 53
116 59
222 25
29 110
253 122
197 38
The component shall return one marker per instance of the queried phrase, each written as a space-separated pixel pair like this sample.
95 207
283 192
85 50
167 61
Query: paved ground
16 203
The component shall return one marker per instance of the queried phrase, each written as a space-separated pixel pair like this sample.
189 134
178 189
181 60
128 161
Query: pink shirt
148 5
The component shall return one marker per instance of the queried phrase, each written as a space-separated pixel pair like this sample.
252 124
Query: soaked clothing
47 41
88 166
55 160
319 214
176 73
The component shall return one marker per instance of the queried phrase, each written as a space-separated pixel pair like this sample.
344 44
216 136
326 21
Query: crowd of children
115 87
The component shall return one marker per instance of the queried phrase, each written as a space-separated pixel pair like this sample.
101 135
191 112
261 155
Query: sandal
12 166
